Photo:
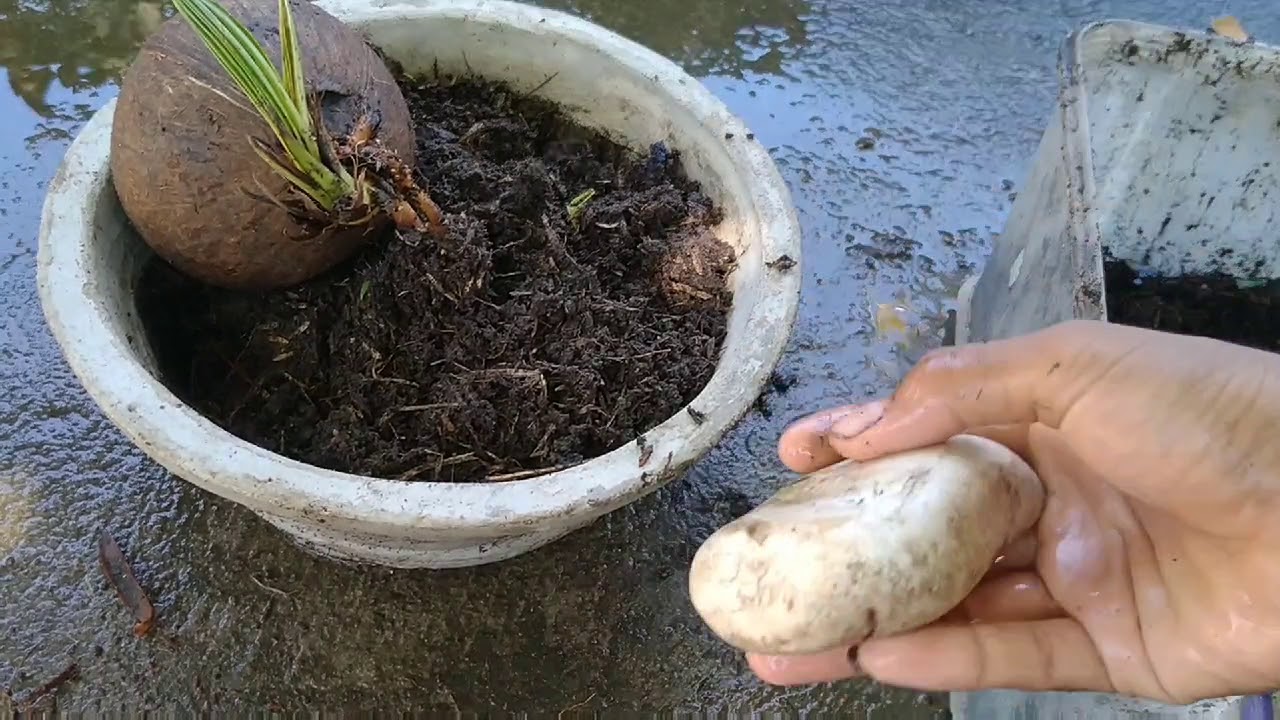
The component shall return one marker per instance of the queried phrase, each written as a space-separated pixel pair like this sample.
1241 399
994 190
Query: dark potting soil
534 336
1206 305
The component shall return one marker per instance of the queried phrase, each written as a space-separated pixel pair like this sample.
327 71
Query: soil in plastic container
1212 305
579 299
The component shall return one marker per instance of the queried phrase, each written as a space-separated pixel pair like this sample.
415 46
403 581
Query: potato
860 550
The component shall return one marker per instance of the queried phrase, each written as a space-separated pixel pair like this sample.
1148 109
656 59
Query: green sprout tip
280 101
578 205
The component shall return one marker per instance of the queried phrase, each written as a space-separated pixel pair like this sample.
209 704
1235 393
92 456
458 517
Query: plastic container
1164 150
1164 153
89 262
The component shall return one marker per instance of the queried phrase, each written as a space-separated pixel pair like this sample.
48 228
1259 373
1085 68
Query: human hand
1155 568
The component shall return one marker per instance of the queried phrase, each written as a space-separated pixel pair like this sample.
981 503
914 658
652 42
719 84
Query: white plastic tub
89 262
1164 149
1164 152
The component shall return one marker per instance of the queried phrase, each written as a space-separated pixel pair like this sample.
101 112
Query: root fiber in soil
1214 306
579 299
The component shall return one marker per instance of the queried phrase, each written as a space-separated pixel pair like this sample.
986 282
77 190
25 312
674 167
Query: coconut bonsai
248 177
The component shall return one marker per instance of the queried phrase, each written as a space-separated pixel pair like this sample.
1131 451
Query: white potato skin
857 550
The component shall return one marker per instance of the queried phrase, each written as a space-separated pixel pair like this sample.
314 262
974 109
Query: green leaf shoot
279 97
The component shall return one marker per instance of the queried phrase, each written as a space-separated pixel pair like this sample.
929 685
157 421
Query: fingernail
859 420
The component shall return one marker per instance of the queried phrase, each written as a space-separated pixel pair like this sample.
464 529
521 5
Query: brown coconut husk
184 166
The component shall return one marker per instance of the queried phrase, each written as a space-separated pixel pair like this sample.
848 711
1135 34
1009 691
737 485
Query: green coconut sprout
280 97
578 205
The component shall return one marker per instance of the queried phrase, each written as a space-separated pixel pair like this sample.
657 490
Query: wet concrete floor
951 96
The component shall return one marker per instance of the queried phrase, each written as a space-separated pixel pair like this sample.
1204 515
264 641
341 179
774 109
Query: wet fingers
805 446
804 669
1013 597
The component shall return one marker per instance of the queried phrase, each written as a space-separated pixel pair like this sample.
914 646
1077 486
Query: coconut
184 164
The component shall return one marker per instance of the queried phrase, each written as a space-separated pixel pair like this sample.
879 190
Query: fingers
804 669
1015 437
996 386
1015 382
804 446
1017 555
807 444
1039 655
954 390
1011 598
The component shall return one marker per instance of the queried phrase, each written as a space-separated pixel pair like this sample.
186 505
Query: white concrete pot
90 260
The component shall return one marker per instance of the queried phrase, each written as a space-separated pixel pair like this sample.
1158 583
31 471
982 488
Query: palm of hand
1152 570
1171 577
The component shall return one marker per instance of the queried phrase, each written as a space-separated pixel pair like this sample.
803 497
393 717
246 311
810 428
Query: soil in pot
579 299
1216 306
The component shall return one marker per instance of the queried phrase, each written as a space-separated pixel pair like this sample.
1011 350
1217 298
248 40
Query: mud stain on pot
579 299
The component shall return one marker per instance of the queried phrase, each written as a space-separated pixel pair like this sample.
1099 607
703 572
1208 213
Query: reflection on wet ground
67 43
902 128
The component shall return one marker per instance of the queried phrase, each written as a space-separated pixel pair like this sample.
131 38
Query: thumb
1040 655
1023 380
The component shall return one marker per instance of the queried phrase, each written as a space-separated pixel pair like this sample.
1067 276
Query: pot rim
195 448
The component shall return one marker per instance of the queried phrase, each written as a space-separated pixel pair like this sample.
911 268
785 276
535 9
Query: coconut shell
181 158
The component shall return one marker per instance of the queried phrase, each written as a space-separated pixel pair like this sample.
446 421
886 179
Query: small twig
245 396
386 417
457 459
575 706
436 465
557 245
691 291
419 408
301 387
68 673
398 381
543 84
618 305
233 366
651 353
535 375
541 448
118 571
267 587
525 474
435 285
473 132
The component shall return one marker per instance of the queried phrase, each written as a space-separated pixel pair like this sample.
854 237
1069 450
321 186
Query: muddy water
902 128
